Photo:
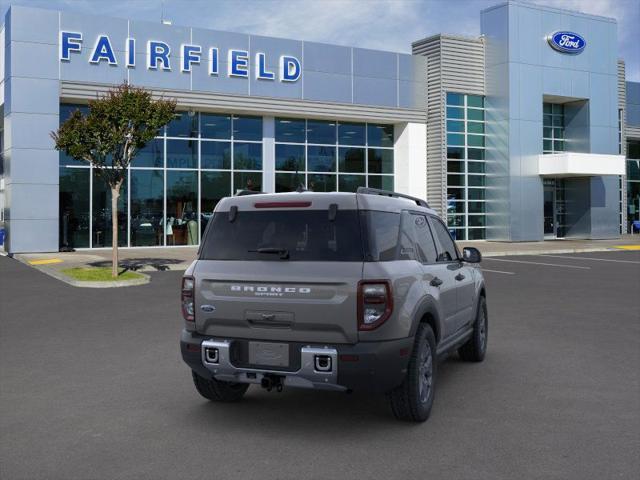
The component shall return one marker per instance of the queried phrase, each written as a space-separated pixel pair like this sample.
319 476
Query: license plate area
269 354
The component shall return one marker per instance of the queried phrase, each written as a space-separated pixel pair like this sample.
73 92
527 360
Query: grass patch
99 274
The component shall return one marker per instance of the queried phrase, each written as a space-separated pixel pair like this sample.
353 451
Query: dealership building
525 133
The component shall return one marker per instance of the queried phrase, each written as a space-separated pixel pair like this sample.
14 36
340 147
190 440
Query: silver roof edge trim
204 101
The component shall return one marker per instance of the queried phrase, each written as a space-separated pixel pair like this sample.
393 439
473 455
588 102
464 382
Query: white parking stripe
535 263
591 258
497 271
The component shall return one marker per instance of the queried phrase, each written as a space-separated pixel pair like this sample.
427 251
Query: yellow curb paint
628 247
47 261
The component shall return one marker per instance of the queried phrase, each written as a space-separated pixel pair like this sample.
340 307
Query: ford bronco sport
335 291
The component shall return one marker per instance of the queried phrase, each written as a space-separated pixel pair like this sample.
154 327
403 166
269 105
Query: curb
85 284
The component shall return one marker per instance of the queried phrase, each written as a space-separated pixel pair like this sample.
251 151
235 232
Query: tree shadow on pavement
160 264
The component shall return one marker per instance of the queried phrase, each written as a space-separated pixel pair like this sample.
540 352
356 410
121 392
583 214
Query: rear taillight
375 303
188 312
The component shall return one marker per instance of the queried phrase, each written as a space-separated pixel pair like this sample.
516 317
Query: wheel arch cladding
430 320
427 313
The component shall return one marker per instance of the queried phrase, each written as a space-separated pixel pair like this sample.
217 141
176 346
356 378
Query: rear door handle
436 282
459 277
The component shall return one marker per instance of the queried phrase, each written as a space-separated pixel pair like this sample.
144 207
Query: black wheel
412 401
476 347
218 391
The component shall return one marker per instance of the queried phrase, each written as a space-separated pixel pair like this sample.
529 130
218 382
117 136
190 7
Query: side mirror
471 255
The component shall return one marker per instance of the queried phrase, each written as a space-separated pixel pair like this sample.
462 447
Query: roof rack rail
389 193
242 193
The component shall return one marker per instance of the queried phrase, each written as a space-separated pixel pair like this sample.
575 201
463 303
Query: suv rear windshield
291 235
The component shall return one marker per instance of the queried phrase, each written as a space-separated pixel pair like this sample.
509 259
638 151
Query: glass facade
633 183
101 229
465 130
172 186
552 128
177 179
327 156
74 207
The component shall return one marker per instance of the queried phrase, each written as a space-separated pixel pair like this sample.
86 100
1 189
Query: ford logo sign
567 42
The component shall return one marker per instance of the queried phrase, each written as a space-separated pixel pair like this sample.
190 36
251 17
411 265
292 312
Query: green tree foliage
117 126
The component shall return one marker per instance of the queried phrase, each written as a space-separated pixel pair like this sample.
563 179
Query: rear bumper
365 366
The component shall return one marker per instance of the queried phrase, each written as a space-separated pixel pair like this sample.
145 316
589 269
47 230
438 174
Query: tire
476 347
413 399
218 391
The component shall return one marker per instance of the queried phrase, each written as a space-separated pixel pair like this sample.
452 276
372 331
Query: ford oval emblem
207 308
567 42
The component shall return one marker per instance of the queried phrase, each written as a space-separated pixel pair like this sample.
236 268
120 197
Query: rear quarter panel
408 291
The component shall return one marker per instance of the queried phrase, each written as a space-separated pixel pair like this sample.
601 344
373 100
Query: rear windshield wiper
283 252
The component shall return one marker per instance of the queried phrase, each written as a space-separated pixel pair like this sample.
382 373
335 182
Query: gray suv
334 291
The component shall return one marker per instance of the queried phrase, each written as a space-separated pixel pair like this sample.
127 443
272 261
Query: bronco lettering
269 289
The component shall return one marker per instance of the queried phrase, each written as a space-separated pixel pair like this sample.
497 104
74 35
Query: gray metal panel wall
521 69
454 64
462 64
633 103
632 132
622 87
622 104
30 114
436 166
578 194
329 73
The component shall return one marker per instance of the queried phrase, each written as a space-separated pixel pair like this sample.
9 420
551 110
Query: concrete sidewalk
501 249
179 258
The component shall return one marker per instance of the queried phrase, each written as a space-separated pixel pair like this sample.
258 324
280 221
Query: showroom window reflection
633 185
465 130
172 186
328 156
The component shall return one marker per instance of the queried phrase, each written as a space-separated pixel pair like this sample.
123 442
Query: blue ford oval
567 42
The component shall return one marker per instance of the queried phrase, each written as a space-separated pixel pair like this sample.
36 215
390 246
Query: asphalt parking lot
92 387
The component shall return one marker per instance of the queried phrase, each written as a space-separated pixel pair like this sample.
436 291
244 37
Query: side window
383 230
407 240
424 239
446 248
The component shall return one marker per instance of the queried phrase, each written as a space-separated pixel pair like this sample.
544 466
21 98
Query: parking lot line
46 261
498 271
536 263
591 258
627 247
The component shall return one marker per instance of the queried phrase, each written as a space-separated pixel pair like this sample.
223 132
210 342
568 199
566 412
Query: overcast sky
378 24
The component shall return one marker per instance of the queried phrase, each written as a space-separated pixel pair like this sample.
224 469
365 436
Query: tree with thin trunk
110 135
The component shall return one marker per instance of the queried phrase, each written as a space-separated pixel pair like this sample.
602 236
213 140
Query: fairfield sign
159 56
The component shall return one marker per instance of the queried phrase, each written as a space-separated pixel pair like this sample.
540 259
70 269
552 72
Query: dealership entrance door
555 208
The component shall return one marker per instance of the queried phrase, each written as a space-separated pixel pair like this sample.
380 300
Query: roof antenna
162 19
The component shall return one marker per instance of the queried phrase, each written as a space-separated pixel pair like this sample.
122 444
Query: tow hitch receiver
322 363
269 382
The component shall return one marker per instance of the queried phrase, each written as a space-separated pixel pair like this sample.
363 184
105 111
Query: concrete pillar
268 154
410 159
31 112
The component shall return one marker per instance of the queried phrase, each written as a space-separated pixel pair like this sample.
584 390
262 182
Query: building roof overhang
574 164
